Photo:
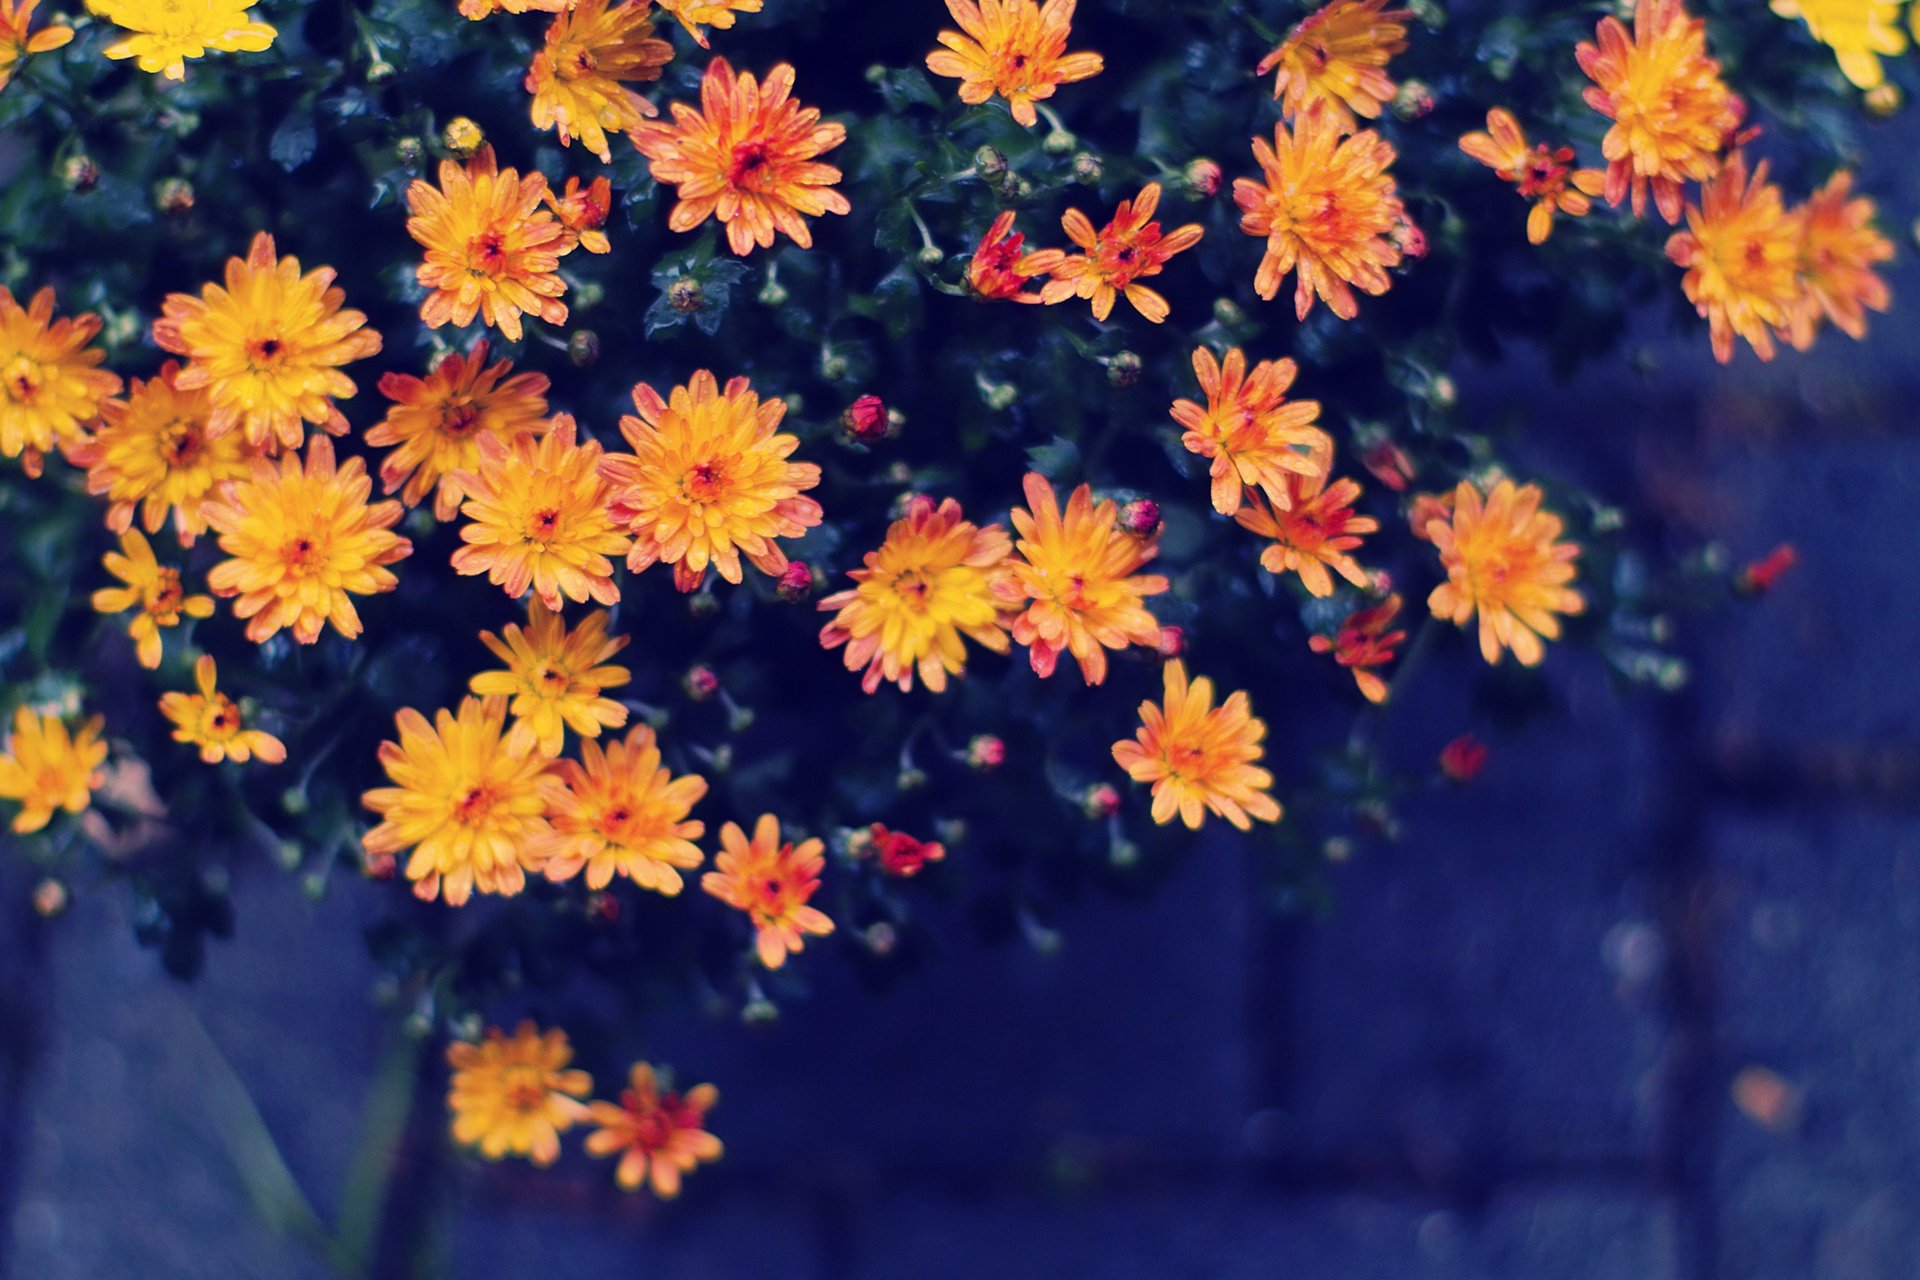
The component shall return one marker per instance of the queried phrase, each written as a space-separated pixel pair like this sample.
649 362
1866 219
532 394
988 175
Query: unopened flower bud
703 604
1763 574
796 584
686 295
999 396
773 294
834 366
173 196
462 137
700 682
930 256
379 71
49 898
900 473
602 907
1414 101
1058 142
1172 642
1885 99
1100 801
1124 369
1441 392
80 174
1203 177
379 866
1463 758
1007 185
739 719
865 420
1087 168
876 73
1408 238
881 938
911 779
759 1011
986 752
1141 517
1123 854
583 348
989 163
409 151
1227 312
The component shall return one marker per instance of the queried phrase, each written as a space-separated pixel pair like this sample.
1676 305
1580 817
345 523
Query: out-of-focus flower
1251 431
619 812
16 46
50 386
1337 58
555 678
1128 249
658 1133
44 768
1199 757
1860 33
900 854
436 423
154 452
1388 463
1741 251
1765 573
746 157
491 250
985 751
1542 174
1315 530
1099 802
994 271
211 721
1839 247
1504 560
163 34
718 14
1203 177
152 589
1013 48
579 80
583 211
1462 759
772 881
1363 642
515 1096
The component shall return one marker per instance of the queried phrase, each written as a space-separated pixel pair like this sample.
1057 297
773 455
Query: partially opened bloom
1860 33
746 157
556 678
579 80
772 881
515 1096
930 584
211 721
1839 249
618 811
43 768
436 423
470 809
155 453
900 854
1328 208
696 14
1075 581
491 249
1129 248
1013 48
1249 429
1505 561
152 590
16 45
51 388
1741 251
1337 57
163 34
1542 174
583 211
658 1133
1199 757
1315 531
709 481
993 273
267 347
1364 641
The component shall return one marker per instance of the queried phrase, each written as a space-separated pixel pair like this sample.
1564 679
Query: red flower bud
1203 177
1100 801
1765 573
1389 464
701 683
902 855
986 752
1173 642
796 583
1463 758
865 419
1141 517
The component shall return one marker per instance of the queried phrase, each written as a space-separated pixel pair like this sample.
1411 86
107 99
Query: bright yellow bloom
469 808
16 45
492 251
1542 174
578 81
1075 577
50 389
771 881
474 10
302 542
43 768
163 34
212 721
537 516
1012 48
1337 57
1741 250
1129 248
1839 249
718 14
1199 757
1251 431
658 1133
746 157
709 480
1504 559
555 678
151 588
516 1096
155 453
1315 529
437 422
1860 32
619 812
929 584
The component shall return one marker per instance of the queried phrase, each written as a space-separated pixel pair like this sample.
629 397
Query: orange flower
155 452
718 14
658 1133
1362 642
50 389
555 678
619 812
1741 250
491 249
437 422
1504 559
746 157
1199 757
1839 249
900 854
1013 48
474 10
16 45
44 768
211 721
1543 174
1253 434
1315 531
1328 208
1337 57
772 882
994 271
1129 248
583 211
516 1096
578 81
153 589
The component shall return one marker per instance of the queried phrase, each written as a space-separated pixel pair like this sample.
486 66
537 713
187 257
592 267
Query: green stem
370 1179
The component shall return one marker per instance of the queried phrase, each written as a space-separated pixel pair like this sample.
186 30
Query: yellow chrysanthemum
153 589
491 249
516 1096
1505 561
578 81
1839 249
658 1133
1315 528
163 34
44 768
50 387
211 721
1013 48
437 422
555 678
708 481
619 811
718 14
154 452
16 45
302 542
772 881
1113 259
1741 250
1251 431
1860 33
1337 57
474 10
1199 757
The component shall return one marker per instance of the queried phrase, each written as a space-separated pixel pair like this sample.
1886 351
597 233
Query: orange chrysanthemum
491 250
772 882
929 584
16 45
1672 114
1839 249
994 272
1542 174
1013 48
1315 530
268 347
516 1096
1337 57
152 589
583 211
1251 431
1504 560
474 10
658 1133
747 158
437 422
1363 642
718 14
211 721
155 452
708 480
1129 248
578 81
1198 756
1741 251
302 542
620 812
555 678
51 389
43 768
537 516
1075 582
1328 208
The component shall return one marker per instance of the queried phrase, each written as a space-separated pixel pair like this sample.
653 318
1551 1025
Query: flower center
551 680
265 353
473 806
749 163
180 443
705 482
458 418
23 380
525 1090
652 1129
487 253
543 524
301 554
223 718
166 593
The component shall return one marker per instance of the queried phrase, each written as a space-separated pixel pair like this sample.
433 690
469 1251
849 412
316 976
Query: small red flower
1765 573
902 855
1463 758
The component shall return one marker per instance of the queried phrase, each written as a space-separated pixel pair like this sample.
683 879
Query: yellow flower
1198 756
1839 249
537 516
1860 32
771 881
516 1096
1542 174
491 249
1251 431
1129 248
155 452
1504 559
578 80
747 158
43 768
1741 250
1012 48
1314 529
50 389
468 808
929 584
212 721
1337 57
152 588
474 10
163 34
437 422
555 678
302 543
16 45
718 14
658 1133
619 812
268 347
709 480
1074 581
